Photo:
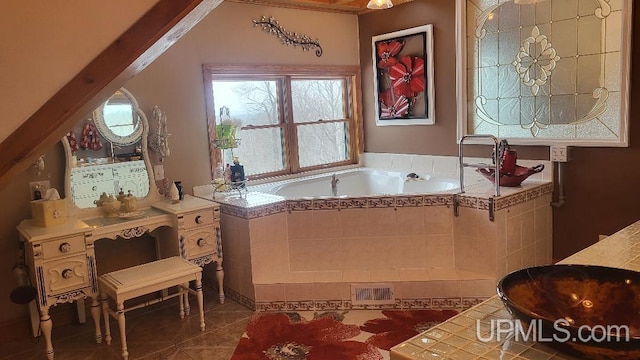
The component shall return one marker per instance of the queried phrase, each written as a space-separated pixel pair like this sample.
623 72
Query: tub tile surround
304 254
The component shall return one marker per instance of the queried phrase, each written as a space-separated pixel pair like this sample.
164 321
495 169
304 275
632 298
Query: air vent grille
372 294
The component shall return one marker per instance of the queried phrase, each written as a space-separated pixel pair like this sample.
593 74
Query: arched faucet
334 185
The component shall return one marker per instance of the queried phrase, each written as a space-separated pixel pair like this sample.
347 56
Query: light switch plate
558 153
158 172
43 186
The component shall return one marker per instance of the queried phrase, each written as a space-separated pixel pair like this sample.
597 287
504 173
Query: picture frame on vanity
403 77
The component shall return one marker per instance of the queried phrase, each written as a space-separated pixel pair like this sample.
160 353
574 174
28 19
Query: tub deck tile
410 201
353 203
299 205
325 204
382 201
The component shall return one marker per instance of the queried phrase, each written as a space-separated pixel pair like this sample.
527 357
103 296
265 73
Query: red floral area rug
333 335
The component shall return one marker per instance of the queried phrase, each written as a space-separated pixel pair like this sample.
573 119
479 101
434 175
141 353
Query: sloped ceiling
164 24
141 44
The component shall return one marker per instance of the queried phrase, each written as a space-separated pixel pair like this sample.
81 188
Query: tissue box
48 212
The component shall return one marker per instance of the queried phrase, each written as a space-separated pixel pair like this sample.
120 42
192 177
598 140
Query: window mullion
291 131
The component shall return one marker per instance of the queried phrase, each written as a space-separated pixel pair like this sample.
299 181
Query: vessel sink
592 312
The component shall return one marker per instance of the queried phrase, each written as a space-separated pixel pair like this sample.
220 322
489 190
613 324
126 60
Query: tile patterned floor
153 333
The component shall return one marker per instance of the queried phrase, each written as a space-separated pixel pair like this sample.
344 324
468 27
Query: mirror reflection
107 153
118 120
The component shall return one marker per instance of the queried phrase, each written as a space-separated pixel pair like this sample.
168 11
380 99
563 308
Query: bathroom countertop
457 338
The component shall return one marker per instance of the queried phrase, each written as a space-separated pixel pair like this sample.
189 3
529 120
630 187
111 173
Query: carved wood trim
128 55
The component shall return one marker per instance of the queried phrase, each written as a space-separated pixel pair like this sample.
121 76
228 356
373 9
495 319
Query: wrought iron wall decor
272 26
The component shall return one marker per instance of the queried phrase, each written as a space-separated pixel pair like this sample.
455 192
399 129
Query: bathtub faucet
334 185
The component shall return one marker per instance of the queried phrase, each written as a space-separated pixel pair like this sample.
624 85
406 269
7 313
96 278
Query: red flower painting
275 336
392 106
387 52
403 67
407 76
399 325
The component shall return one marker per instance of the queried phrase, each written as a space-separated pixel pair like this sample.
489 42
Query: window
549 72
291 119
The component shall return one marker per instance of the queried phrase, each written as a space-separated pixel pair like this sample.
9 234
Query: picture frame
403 77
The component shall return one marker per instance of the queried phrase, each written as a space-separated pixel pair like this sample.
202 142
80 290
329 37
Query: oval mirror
118 119
120 162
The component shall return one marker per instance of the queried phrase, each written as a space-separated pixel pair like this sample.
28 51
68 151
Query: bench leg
105 315
220 278
123 333
181 298
95 314
200 300
187 306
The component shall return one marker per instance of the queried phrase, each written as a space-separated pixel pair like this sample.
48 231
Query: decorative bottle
174 194
227 174
218 174
237 171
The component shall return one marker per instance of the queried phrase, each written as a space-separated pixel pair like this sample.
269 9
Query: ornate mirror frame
143 202
544 73
107 133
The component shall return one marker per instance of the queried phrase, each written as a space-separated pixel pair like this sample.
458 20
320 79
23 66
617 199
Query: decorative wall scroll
159 140
403 77
545 72
270 25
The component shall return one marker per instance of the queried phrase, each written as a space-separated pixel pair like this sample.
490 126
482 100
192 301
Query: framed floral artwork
403 77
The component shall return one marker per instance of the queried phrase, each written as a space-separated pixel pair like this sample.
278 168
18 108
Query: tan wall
175 83
600 183
43 52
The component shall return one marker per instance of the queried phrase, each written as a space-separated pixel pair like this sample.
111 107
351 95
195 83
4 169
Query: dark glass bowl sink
584 310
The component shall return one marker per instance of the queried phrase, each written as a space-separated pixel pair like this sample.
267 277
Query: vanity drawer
200 242
65 274
62 246
198 218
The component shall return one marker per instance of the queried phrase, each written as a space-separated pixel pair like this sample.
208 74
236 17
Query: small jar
130 203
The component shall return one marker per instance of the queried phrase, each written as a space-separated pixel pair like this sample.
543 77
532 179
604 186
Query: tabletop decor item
111 206
512 179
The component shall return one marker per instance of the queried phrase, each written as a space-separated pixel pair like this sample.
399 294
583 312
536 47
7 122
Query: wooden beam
128 55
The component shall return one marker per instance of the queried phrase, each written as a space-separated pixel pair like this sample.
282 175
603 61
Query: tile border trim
320 204
436 303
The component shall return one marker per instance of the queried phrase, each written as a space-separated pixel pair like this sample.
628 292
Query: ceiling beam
129 54
336 6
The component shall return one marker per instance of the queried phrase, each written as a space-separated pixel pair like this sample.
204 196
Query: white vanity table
62 257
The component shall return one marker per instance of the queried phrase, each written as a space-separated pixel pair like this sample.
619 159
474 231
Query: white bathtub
360 182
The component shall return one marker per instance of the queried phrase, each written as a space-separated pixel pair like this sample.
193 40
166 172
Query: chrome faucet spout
334 185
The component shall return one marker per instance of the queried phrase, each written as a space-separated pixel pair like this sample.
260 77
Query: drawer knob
64 247
201 242
67 273
199 219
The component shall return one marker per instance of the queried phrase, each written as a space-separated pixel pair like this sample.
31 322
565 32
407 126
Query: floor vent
372 294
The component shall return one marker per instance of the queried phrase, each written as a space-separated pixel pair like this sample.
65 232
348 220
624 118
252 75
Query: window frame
284 75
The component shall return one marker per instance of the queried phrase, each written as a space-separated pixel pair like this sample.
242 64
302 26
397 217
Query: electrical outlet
42 186
559 153
158 172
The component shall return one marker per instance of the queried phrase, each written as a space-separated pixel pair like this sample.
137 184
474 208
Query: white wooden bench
144 279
